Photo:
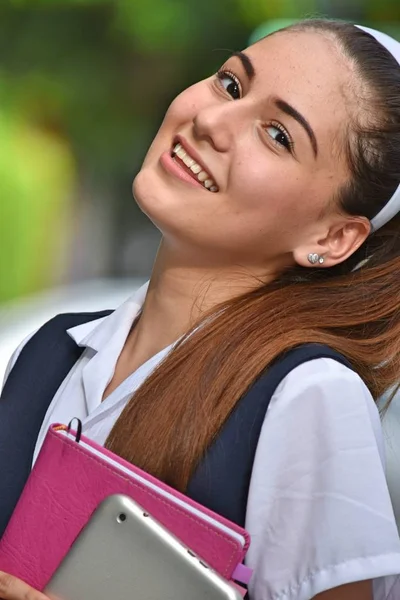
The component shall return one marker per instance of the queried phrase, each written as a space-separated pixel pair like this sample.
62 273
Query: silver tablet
125 554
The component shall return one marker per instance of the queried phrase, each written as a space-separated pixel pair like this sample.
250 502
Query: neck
181 291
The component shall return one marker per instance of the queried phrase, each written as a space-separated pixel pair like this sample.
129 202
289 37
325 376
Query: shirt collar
95 334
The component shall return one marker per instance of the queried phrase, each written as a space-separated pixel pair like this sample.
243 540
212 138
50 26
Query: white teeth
189 162
195 168
202 176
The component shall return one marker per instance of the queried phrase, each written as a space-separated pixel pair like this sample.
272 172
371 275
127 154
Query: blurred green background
83 87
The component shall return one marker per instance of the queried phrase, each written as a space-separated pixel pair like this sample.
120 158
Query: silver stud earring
314 258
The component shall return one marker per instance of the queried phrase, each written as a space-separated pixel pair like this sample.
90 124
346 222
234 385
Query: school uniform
317 505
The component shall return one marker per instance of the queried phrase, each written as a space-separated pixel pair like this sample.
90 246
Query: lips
190 161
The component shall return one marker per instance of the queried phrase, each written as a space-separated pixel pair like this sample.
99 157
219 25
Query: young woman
275 184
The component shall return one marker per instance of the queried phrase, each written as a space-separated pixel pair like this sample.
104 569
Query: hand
12 588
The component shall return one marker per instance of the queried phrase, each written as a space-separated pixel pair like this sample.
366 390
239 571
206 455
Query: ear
336 244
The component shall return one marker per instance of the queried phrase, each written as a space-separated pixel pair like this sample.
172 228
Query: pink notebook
66 485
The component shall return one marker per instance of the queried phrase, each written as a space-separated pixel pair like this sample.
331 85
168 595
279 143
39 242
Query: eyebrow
247 64
279 103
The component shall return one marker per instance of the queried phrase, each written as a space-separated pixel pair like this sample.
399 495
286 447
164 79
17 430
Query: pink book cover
68 482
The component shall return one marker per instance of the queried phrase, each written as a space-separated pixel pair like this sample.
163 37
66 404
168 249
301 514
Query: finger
12 588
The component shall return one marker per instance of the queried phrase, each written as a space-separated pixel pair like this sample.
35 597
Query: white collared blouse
319 512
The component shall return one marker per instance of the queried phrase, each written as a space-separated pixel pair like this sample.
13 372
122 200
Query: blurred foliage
36 182
255 11
83 87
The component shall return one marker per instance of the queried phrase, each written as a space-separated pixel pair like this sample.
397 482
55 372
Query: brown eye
230 83
279 136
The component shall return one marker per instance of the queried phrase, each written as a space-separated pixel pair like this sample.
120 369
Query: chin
151 197
170 208
136 186
143 188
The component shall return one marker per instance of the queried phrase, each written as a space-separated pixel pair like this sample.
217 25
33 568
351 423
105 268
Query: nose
215 124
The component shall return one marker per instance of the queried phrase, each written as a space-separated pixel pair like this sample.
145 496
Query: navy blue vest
221 481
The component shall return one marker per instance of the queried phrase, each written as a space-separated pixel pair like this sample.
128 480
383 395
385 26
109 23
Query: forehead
307 57
307 70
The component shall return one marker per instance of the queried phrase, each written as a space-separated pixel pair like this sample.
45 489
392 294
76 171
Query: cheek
266 186
178 117
186 105
271 197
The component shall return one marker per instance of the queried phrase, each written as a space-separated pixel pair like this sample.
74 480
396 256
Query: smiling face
266 136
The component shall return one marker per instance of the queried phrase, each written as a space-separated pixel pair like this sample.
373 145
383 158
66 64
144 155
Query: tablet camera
121 518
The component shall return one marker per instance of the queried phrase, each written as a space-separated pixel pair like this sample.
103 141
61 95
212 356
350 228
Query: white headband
392 207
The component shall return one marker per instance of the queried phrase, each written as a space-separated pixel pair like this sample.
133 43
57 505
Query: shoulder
322 404
321 408
50 333
323 394
15 355
319 471
326 389
323 372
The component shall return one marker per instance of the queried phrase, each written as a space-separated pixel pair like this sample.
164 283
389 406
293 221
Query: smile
184 159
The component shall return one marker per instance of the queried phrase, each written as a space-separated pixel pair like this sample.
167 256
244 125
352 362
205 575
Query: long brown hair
354 307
